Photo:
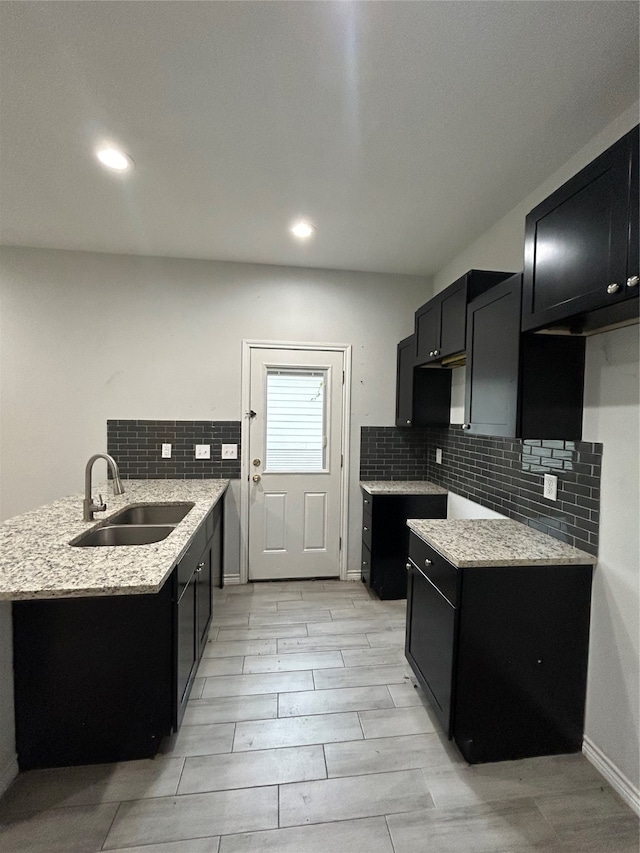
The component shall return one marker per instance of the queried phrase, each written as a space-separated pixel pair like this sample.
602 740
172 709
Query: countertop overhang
37 561
485 542
402 487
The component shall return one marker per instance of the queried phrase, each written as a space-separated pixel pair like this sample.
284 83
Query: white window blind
295 440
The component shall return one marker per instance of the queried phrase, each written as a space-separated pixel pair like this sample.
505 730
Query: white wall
611 417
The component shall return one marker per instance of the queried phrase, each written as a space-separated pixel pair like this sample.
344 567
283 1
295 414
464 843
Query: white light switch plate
438 456
203 451
166 451
229 451
550 491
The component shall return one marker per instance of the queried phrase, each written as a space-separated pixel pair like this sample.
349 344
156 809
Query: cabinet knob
466 426
436 352
366 501
364 563
365 528
200 567
613 288
407 566
409 423
633 281
428 563
432 353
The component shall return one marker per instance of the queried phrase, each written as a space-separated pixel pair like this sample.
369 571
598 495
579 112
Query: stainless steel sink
151 514
127 534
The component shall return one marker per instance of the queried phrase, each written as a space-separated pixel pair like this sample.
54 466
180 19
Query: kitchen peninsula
107 639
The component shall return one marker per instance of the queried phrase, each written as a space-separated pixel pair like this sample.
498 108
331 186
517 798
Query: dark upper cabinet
520 386
440 324
423 396
581 247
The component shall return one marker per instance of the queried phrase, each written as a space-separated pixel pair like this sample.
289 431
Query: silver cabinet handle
613 288
633 281
428 563
466 426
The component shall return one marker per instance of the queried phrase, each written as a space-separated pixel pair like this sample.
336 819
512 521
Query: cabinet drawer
366 532
435 568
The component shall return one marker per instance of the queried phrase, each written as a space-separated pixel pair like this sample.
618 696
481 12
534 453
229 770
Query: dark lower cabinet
385 538
501 653
105 679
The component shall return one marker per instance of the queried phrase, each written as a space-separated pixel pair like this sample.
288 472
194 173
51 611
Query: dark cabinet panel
440 324
186 652
385 538
430 641
521 386
505 670
423 396
581 247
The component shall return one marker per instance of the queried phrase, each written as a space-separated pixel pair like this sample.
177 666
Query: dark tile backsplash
136 446
387 453
502 474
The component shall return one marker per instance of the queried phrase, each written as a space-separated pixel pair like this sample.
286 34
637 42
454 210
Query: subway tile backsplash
136 446
502 474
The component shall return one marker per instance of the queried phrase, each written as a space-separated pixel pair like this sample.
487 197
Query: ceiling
403 130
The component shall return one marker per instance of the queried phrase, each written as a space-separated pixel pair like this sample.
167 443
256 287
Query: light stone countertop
36 560
402 487
496 542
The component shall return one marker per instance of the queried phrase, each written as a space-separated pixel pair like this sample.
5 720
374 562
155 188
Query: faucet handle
101 505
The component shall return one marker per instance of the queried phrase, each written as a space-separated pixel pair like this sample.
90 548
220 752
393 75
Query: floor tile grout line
115 815
386 823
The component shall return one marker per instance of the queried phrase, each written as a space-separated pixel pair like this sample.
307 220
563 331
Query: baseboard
231 580
618 781
8 773
353 575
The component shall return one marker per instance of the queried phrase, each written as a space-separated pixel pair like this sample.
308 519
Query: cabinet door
453 309
204 574
427 332
493 344
429 642
577 242
404 382
186 652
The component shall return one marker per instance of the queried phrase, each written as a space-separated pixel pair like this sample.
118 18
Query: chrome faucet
88 506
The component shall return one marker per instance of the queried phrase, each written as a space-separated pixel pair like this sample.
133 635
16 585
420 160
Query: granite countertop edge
486 543
402 487
37 561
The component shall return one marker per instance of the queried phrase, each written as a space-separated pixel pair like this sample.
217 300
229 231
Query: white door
295 457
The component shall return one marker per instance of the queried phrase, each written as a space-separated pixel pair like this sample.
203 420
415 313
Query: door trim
245 469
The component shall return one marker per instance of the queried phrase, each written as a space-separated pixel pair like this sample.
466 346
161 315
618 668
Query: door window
296 421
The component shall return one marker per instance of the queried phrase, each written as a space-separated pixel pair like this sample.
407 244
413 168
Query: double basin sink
136 524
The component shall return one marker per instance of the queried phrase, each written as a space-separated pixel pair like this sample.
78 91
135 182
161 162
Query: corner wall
612 727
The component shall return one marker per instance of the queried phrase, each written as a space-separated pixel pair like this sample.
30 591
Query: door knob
256 478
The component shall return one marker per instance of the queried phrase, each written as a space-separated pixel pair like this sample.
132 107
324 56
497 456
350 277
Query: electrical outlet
438 455
166 451
203 451
550 491
229 451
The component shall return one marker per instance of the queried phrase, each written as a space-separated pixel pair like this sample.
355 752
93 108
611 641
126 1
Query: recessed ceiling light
114 159
302 229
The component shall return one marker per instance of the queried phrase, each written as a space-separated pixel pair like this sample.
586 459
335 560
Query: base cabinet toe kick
500 652
104 679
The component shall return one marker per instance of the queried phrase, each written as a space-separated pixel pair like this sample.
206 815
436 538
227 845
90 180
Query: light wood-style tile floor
305 734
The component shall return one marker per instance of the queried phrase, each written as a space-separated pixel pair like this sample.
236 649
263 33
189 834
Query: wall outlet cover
438 456
550 490
229 451
166 451
203 451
